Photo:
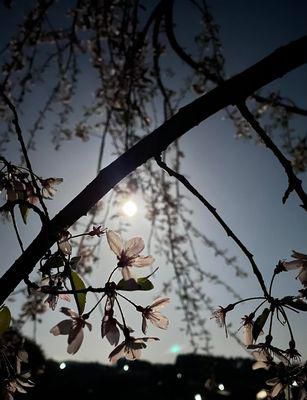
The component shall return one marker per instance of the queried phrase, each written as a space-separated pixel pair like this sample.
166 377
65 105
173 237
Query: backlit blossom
109 324
73 328
48 189
220 316
263 359
109 329
18 383
300 263
153 314
52 299
130 348
278 386
64 244
128 253
248 330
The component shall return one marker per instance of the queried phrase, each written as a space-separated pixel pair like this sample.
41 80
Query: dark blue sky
242 180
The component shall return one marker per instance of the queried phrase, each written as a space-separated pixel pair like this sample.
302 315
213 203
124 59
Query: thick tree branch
232 91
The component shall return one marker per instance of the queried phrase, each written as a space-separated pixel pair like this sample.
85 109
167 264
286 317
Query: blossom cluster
284 364
128 256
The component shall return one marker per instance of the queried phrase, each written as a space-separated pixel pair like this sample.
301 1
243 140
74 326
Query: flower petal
302 276
117 353
296 254
132 353
277 389
69 312
110 330
62 328
159 303
126 274
113 335
75 340
134 246
248 334
144 325
260 364
115 242
142 261
288 265
160 321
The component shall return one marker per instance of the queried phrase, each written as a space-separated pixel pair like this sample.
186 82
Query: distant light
197 397
179 375
175 348
261 395
294 384
126 367
62 365
130 208
221 386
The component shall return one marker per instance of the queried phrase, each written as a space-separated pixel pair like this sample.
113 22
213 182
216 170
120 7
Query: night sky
243 181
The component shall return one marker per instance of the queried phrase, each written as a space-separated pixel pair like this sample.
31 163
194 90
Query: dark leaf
260 322
24 211
297 304
145 284
5 319
132 284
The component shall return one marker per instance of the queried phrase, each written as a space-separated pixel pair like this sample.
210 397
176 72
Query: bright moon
130 208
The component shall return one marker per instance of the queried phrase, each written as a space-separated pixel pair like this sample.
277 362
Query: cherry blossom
130 348
64 244
73 328
263 359
300 262
18 383
128 253
153 314
48 189
278 386
109 328
52 299
247 330
220 316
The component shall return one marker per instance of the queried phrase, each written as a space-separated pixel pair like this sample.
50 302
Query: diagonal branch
294 184
216 215
232 91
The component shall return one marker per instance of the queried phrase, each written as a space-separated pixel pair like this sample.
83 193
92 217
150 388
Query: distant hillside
191 375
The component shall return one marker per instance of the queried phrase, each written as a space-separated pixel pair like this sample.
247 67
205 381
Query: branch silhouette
231 92
294 184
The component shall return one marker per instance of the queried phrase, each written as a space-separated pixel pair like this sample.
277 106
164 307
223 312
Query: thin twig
213 211
16 229
25 152
294 184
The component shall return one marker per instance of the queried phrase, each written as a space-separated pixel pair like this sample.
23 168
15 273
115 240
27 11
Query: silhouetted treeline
210 377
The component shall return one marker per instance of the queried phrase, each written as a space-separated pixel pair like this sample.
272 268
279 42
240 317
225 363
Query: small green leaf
78 284
132 284
129 285
145 284
260 322
5 319
24 211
